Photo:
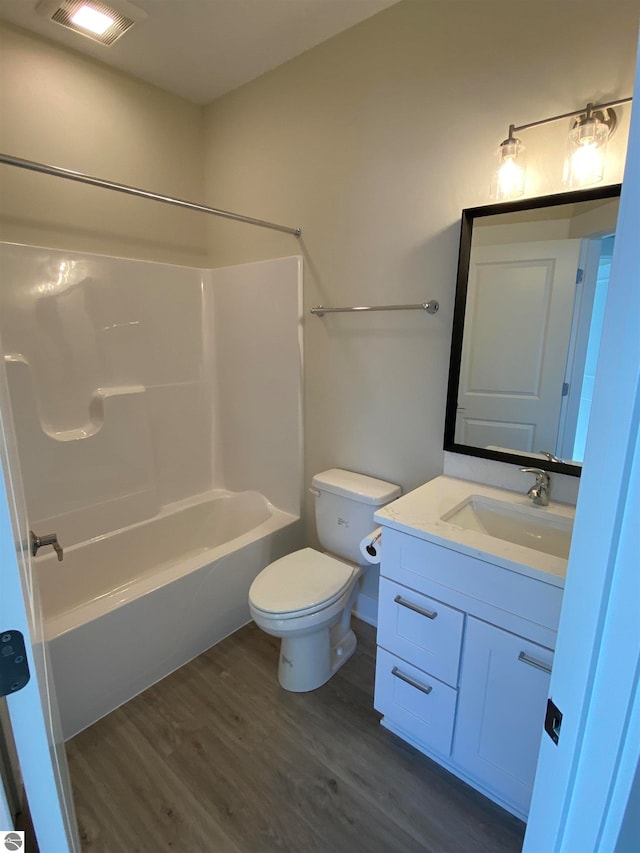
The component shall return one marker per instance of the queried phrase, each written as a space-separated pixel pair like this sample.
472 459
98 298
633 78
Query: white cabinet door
501 708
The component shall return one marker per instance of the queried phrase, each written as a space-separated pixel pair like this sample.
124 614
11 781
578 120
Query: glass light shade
586 151
508 179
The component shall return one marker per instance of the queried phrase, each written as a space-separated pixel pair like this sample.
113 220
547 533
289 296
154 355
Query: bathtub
125 609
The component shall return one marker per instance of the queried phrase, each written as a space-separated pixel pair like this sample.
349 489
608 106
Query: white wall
373 142
600 220
61 108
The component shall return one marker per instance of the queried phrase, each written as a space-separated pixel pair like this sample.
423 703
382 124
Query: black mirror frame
466 230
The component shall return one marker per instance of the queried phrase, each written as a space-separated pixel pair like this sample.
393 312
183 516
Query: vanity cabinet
464 654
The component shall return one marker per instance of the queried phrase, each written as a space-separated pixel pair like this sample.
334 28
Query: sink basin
531 527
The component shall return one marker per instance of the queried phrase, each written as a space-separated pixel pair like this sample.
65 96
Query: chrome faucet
550 456
539 492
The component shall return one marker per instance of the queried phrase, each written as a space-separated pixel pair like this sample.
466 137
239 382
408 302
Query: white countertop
420 512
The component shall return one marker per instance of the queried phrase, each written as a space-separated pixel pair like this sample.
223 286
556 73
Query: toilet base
307 662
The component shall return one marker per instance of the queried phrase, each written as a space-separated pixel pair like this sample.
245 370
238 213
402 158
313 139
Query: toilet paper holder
371 547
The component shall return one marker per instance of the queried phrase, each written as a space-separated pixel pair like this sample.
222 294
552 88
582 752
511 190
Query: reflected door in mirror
519 307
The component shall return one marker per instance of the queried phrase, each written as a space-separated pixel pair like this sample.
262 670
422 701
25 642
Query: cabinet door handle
430 614
524 657
424 688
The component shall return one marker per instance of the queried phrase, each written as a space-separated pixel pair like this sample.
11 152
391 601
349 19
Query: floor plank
217 758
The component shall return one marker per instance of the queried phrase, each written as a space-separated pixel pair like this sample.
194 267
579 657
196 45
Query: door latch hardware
553 721
14 668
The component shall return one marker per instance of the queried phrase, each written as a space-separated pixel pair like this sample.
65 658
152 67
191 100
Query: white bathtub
125 609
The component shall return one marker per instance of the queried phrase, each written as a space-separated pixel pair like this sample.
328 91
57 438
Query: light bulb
586 149
509 178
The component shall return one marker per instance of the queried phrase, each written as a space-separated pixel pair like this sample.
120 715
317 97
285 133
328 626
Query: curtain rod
72 175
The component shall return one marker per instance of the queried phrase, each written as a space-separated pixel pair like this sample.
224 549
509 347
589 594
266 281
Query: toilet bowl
306 597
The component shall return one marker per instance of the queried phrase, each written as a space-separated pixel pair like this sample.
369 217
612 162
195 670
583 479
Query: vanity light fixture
101 22
585 156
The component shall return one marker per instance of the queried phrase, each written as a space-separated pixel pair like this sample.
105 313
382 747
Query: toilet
306 597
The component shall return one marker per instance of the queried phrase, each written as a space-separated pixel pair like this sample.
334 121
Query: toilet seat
300 584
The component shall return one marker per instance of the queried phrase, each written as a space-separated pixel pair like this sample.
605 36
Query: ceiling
201 49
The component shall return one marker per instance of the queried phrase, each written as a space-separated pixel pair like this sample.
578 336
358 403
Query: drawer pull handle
524 657
430 614
424 688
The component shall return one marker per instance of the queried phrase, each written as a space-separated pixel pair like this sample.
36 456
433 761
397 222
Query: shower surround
158 415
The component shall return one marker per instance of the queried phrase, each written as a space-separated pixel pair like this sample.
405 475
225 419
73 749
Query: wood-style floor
217 758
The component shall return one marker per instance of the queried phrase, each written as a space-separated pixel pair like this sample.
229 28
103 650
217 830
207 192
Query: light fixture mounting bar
517 128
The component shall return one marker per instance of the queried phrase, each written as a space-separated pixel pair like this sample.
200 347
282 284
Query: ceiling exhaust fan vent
102 22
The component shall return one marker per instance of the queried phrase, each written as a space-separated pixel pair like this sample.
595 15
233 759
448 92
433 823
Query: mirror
532 283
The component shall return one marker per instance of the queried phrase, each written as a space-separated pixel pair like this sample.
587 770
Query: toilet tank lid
359 487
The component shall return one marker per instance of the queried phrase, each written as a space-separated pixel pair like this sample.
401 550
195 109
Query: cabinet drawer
416 702
421 630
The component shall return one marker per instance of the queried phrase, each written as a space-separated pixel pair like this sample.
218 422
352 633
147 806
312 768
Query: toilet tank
345 503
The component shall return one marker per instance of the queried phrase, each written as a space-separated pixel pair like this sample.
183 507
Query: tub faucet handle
48 539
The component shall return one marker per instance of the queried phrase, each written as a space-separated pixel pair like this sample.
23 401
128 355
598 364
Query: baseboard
366 608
